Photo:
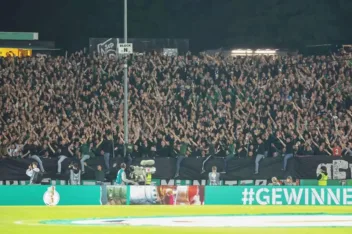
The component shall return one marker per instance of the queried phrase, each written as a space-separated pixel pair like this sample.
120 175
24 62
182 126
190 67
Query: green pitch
26 220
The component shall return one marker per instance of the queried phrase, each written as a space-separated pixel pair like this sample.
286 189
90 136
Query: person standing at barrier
181 155
260 151
267 143
106 148
121 178
230 154
288 149
85 152
322 177
30 149
63 153
211 153
214 177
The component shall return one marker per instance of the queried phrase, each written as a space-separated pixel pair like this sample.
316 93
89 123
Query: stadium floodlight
267 51
125 114
241 51
249 52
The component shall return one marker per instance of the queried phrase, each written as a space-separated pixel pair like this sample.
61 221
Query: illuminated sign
15 52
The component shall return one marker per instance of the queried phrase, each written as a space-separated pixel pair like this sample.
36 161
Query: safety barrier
50 195
174 195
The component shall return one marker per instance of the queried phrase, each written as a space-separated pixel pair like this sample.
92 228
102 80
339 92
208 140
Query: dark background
239 169
207 23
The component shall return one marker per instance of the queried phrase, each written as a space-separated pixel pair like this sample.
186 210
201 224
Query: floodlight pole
125 115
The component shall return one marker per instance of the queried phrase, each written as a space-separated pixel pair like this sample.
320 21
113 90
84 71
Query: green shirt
231 149
129 148
85 149
183 149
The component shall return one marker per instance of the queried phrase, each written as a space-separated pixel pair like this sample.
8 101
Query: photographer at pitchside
75 174
34 173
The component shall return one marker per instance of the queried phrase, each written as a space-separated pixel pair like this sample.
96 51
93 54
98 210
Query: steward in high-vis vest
148 171
323 177
148 179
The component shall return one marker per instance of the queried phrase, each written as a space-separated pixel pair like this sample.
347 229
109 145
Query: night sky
208 24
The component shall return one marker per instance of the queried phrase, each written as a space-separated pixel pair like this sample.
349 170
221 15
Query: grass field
30 217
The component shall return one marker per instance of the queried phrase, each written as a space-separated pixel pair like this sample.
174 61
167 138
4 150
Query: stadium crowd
186 106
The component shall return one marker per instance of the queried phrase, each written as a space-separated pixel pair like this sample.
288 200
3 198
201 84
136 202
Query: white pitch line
211 221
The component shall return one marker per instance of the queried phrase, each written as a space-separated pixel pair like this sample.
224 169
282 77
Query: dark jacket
106 146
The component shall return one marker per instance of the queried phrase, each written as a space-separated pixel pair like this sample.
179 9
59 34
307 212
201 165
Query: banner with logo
167 195
238 169
106 47
49 195
171 52
278 195
307 167
15 52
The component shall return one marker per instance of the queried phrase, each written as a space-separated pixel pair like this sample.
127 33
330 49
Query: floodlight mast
125 114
